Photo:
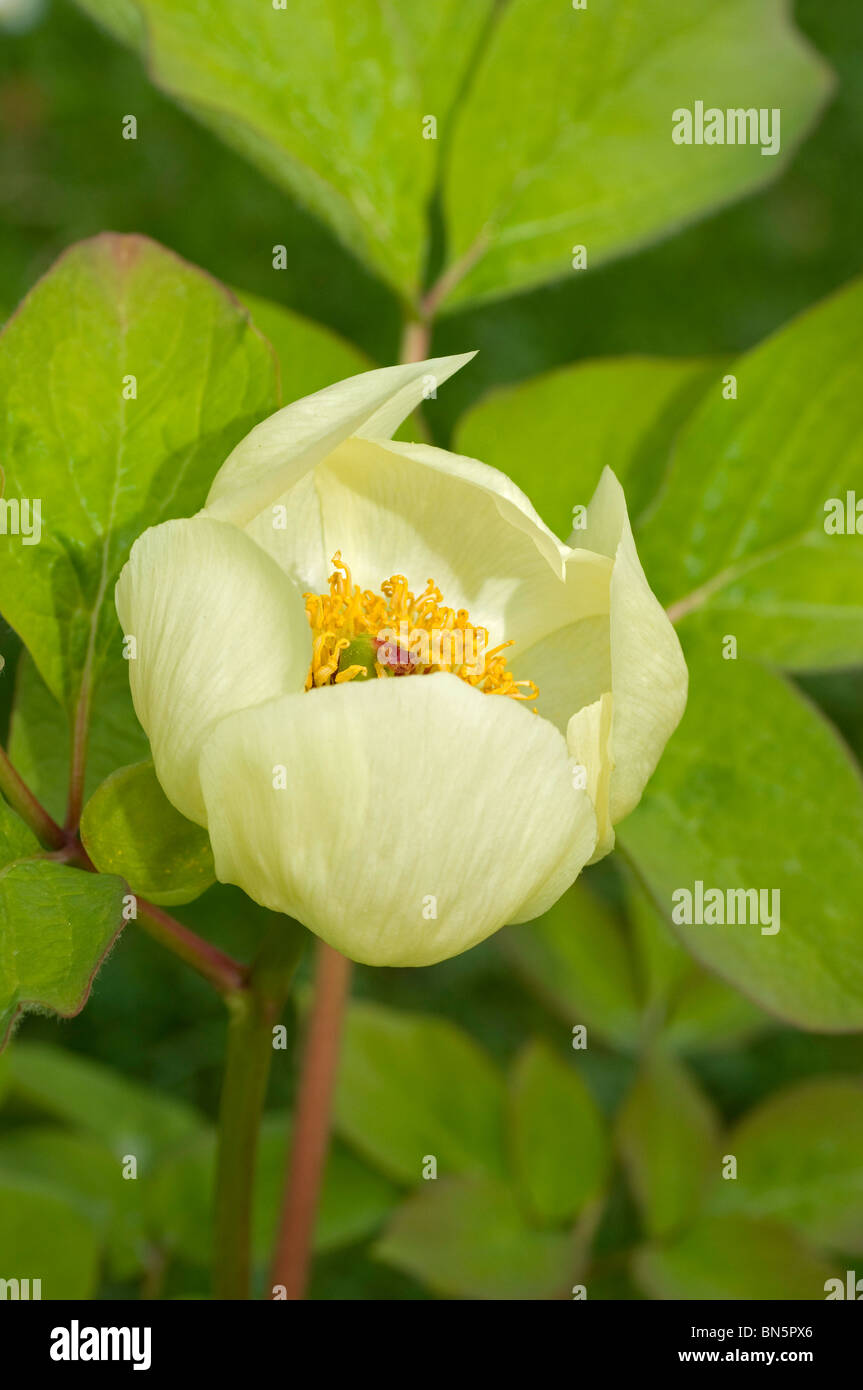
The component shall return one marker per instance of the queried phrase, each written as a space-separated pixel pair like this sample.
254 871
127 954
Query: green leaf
39 738
47 1238
328 102
737 544
56 927
101 466
558 1136
799 1162
576 958
128 1117
667 1140
412 1086
467 1238
555 434
756 791
310 356
694 1010
732 1257
17 841
565 136
130 828
84 1172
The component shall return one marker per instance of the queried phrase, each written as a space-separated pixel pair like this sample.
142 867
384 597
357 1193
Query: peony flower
405 711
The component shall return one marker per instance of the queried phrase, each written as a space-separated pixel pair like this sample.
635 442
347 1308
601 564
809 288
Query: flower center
359 635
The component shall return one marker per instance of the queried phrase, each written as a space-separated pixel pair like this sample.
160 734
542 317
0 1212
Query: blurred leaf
130 828
85 1173
566 133
17 841
39 737
576 958
667 1140
732 1257
330 103
467 1238
411 1085
755 790
354 1200
553 435
737 543
128 1117
47 1238
310 356
693 1009
56 926
800 1161
557 1133
104 467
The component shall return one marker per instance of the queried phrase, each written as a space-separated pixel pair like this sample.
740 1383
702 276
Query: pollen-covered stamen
359 634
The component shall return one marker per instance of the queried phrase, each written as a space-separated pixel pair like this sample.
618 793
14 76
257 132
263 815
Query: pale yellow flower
402 817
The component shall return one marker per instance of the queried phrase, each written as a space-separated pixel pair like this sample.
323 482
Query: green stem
253 1011
31 811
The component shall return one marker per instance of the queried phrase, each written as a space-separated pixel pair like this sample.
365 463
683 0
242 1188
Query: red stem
311 1123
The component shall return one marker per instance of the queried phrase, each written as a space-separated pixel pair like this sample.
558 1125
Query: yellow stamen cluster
347 612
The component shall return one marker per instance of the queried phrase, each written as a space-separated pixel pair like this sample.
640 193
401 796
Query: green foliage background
681 1067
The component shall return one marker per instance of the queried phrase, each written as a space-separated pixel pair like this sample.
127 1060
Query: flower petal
587 738
281 449
411 509
218 627
417 816
649 679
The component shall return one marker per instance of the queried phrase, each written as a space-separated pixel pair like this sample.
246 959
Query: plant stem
31 810
222 971
78 761
253 1011
290 1268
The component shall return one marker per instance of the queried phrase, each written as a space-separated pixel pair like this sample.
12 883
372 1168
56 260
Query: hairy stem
78 762
253 1012
290 1268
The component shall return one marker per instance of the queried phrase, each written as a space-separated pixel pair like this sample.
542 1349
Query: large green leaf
130 828
756 791
737 544
46 1237
557 1134
56 926
102 466
413 1086
667 1138
467 1238
39 733
576 958
310 356
800 1161
693 1009
555 434
732 1257
128 1117
565 136
327 99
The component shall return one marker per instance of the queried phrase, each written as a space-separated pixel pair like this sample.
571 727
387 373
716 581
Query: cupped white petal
217 627
649 679
411 509
281 449
588 741
401 820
